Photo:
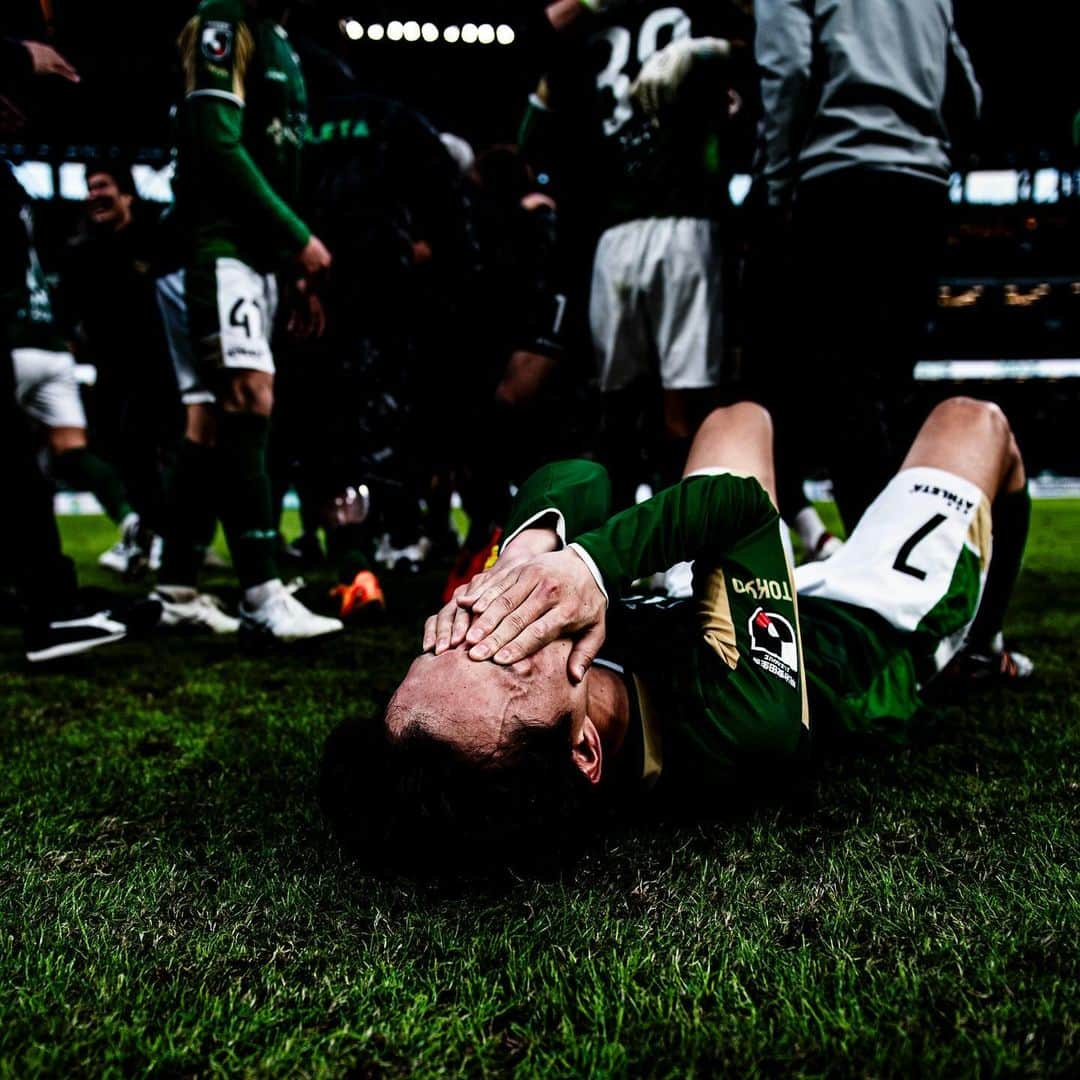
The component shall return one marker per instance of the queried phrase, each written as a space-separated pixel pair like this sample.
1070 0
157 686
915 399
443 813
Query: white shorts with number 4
246 304
918 558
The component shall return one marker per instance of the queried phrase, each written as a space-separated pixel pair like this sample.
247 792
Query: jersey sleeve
574 494
216 49
784 52
702 517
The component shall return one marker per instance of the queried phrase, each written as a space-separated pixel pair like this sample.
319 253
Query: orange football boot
363 592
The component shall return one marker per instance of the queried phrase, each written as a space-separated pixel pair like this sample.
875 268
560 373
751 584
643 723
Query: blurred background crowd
545 230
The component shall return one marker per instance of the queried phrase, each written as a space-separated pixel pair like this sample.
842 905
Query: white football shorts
246 304
655 304
918 557
46 387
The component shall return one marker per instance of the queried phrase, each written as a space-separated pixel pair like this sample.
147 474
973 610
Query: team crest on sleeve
774 646
217 41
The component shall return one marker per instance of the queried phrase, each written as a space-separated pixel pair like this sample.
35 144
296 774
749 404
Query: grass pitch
171 903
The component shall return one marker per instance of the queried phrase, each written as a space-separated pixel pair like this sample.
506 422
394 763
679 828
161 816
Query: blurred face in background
107 205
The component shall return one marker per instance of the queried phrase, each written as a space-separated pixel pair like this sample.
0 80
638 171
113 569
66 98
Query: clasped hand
520 605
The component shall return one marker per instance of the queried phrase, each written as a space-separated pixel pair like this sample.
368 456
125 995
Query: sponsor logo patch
774 646
217 40
956 501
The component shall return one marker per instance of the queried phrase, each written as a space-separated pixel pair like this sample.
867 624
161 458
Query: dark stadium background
1024 55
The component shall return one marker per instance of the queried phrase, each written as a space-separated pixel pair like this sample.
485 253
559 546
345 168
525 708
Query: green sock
192 499
346 547
246 504
81 470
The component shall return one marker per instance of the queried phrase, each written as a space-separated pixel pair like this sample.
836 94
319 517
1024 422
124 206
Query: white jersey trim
559 526
593 569
236 99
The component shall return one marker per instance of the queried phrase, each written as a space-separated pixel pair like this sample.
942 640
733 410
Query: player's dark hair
120 171
418 804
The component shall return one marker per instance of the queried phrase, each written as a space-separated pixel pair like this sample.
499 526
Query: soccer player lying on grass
506 725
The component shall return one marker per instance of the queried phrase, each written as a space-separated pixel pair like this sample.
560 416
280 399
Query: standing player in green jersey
506 719
243 125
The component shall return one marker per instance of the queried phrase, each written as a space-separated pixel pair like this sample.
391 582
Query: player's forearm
244 189
703 516
783 48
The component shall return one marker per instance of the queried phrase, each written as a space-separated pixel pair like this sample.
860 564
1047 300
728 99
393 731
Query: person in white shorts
47 390
240 138
921 586
655 304
710 699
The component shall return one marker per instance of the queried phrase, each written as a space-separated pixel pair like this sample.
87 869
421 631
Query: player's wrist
593 569
531 542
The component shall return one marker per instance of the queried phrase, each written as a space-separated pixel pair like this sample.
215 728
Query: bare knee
249 392
974 413
972 438
745 417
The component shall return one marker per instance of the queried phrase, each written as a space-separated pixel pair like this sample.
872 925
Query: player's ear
587 752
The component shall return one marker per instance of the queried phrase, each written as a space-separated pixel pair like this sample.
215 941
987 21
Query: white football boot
185 608
281 617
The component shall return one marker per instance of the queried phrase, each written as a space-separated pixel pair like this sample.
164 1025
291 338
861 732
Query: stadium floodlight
469 33
395 31
504 34
354 30
412 31
451 34
152 184
993 187
36 179
429 32
485 33
73 181
375 32
1046 187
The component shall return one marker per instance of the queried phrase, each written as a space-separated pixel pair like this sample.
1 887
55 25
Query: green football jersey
718 681
242 131
33 323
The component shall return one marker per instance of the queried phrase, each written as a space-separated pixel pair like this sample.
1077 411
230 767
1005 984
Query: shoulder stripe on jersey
236 99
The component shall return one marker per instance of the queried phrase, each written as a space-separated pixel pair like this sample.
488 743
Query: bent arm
701 517
570 496
216 70
218 128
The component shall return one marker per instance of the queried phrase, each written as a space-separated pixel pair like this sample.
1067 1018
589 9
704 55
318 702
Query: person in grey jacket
864 102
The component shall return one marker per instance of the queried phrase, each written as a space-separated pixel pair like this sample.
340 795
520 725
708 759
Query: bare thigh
972 439
739 438
66 438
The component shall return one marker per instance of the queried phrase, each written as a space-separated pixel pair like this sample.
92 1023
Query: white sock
257 595
810 527
131 519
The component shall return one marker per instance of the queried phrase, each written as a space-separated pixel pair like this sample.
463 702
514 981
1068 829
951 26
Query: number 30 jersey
585 129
